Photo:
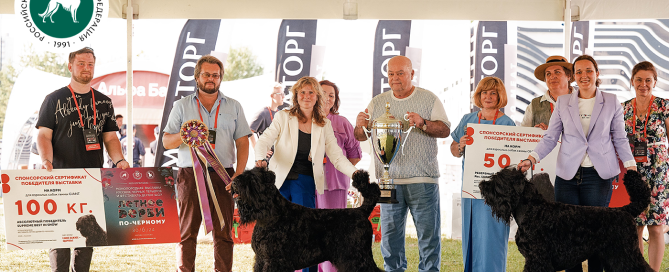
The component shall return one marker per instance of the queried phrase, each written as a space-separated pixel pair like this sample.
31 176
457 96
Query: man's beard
202 87
83 79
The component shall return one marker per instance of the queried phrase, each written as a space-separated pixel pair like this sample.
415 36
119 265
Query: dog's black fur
288 236
88 226
555 236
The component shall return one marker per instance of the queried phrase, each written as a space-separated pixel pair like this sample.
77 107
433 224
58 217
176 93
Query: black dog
555 236
288 236
88 226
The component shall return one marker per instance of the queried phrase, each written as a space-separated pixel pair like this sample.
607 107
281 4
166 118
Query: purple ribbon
202 192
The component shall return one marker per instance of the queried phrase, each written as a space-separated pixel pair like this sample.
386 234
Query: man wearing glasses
73 123
225 119
266 115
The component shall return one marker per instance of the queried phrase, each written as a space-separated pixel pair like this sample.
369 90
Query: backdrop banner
293 51
487 58
391 39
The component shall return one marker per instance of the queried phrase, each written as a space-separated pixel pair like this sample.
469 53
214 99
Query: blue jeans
301 191
586 188
422 199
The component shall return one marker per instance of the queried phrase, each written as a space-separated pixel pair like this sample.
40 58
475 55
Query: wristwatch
424 128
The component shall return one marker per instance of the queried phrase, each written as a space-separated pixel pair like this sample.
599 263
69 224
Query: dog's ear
269 177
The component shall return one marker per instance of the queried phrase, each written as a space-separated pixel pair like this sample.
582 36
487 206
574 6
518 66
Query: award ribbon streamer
194 133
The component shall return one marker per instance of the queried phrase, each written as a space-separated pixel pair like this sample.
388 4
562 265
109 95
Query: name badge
639 148
212 138
91 140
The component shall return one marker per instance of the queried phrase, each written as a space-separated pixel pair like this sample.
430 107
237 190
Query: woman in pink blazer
593 131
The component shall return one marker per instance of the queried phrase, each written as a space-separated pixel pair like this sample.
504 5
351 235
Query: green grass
162 257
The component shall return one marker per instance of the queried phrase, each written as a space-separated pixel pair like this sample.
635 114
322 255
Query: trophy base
388 196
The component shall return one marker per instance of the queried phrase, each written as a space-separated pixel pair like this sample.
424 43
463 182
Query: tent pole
130 136
567 29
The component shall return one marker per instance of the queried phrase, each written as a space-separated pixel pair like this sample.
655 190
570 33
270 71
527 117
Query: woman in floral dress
646 124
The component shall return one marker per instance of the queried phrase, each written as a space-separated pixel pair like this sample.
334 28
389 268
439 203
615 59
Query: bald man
416 173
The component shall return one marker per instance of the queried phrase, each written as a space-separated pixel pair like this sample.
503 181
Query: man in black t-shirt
63 142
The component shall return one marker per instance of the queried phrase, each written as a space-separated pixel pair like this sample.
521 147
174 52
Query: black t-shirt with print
59 113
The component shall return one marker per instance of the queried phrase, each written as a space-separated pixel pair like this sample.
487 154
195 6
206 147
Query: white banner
42 208
495 147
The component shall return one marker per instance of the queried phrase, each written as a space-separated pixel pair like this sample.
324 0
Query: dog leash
531 167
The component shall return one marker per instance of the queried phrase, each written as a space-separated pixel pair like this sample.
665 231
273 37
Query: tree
46 61
241 63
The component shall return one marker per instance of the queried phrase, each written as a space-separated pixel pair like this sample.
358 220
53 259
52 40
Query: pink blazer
607 136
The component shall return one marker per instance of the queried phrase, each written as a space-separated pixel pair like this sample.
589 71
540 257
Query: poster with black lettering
580 32
487 58
141 206
391 39
293 51
492 148
61 208
89 207
198 38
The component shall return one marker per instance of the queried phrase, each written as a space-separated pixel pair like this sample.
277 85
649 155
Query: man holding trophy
412 182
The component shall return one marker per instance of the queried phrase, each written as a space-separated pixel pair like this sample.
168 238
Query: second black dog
555 236
288 236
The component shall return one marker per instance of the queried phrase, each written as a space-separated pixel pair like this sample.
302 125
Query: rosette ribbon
195 134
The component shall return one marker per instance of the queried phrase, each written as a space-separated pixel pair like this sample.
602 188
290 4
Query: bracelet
47 160
462 151
119 161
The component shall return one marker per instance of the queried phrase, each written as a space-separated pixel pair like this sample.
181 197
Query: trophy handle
406 118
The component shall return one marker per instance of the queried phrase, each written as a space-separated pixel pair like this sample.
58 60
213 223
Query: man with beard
225 119
72 123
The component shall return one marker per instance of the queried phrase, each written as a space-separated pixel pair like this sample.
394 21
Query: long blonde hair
318 115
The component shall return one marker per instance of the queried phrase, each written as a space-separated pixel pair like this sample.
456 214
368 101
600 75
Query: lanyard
270 114
551 107
217 109
652 97
493 120
95 113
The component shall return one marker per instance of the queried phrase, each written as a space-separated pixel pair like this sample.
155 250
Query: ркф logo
61 25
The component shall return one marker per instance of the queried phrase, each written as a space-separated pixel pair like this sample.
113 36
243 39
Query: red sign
148 91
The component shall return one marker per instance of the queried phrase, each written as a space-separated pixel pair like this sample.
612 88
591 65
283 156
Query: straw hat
540 72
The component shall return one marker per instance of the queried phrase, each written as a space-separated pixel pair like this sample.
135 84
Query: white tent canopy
490 10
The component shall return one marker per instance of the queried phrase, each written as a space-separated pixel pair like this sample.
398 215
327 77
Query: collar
547 97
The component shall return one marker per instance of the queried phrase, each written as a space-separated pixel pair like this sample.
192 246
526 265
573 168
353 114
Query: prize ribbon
195 134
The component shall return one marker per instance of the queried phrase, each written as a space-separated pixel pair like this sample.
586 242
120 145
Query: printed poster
68 208
495 147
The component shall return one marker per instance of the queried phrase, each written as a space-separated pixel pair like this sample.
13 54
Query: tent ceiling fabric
490 10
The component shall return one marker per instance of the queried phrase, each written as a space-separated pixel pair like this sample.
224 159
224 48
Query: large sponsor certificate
495 147
89 207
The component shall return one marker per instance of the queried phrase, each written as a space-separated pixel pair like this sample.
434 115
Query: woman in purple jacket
592 128
336 183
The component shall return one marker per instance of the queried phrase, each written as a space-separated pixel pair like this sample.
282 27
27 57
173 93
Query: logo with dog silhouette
61 25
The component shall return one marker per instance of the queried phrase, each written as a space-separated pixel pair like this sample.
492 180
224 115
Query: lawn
162 257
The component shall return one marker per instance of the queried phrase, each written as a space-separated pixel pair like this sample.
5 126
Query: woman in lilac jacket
337 183
593 131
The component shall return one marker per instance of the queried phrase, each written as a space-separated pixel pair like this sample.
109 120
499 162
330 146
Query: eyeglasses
279 94
207 75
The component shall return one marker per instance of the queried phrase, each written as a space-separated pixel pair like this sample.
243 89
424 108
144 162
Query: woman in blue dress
484 238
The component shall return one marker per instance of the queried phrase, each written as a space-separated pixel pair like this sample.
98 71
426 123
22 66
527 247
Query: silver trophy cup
387 135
